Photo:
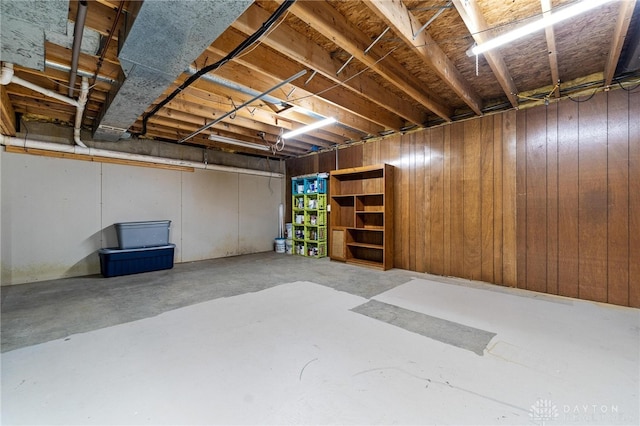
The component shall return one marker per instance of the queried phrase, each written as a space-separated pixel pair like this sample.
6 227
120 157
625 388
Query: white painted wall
57 213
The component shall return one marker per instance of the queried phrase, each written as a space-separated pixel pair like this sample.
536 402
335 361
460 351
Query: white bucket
288 246
288 230
280 245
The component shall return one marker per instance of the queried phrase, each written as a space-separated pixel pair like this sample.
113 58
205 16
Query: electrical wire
632 90
343 82
253 38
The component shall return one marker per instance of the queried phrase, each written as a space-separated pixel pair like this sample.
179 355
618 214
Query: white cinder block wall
57 213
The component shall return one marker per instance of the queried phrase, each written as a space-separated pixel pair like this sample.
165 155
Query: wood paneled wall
579 198
546 199
455 204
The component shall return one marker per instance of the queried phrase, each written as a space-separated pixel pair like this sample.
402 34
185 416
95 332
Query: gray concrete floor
276 339
42 311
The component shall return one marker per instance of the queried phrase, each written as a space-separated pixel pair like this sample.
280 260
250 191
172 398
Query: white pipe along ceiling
96 152
9 77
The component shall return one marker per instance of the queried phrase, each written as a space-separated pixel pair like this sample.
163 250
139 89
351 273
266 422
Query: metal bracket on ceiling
313 74
232 116
365 52
255 98
376 40
433 18
345 65
274 107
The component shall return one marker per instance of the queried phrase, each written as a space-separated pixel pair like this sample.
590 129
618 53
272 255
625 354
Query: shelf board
370 246
358 194
369 263
368 228
369 212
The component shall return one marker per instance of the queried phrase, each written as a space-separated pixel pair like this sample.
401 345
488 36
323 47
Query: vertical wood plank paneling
375 153
486 199
568 198
552 198
383 152
509 199
472 206
457 200
395 155
368 150
422 205
546 198
412 189
350 157
521 198
618 197
446 205
634 199
536 199
326 161
436 175
497 198
404 205
592 199
428 202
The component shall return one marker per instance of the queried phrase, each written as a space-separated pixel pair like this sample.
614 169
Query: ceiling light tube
309 128
551 19
252 145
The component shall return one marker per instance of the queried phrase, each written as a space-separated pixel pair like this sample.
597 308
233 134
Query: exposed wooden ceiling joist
327 20
416 71
397 16
551 47
295 45
477 25
622 27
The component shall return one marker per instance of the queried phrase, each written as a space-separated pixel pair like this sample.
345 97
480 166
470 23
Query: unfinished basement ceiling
376 66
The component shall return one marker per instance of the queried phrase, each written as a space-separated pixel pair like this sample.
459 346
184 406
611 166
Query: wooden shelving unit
361 218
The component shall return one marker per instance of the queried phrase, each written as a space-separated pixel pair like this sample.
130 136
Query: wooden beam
398 17
299 48
620 32
261 60
7 115
476 24
325 19
551 47
83 157
271 72
202 97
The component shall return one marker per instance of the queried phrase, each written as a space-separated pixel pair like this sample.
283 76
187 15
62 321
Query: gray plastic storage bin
143 234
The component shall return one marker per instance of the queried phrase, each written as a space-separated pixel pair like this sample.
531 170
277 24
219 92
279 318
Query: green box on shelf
299 248
298 202
315 202
298 232
318 249
316 233
315 217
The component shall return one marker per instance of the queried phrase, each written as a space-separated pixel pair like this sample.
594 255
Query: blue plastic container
114 262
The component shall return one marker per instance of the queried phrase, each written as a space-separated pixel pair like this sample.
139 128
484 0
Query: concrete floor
276 339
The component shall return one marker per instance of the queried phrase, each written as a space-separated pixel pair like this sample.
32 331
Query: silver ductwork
165 37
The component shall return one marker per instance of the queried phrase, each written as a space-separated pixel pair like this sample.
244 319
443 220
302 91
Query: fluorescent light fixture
309 128
252 145
551 19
